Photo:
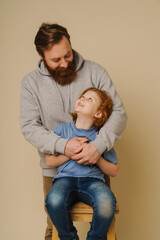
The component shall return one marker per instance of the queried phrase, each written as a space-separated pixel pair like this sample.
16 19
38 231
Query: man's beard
61 75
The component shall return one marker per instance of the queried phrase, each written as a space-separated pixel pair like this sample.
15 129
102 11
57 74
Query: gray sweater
44 104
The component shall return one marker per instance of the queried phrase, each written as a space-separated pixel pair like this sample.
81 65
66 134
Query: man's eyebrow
58 58
68 52
54 58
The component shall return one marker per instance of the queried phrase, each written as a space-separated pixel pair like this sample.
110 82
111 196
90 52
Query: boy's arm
107 167
55 161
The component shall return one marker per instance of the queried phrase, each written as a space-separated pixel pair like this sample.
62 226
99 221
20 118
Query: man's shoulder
94 69
94 65
85 63
36 74
30 77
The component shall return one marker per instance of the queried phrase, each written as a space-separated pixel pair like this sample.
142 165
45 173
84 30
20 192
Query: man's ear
98 114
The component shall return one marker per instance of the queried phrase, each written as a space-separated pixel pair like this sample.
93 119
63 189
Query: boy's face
88 105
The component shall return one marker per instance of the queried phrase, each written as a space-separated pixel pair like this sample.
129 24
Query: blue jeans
68 190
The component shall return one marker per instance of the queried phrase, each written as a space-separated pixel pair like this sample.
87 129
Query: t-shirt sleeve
110 156
59 130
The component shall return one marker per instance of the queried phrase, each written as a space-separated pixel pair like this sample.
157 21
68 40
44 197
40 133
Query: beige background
124 37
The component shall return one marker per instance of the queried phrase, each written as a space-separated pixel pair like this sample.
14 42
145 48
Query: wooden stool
81 212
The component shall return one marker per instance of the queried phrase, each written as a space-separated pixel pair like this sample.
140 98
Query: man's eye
68 55
56 60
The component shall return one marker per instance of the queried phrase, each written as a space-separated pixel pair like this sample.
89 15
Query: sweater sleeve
115 125
31 125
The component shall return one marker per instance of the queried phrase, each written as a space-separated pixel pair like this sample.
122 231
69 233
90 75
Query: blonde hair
105 107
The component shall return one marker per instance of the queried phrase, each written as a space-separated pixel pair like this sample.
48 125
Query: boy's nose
83 99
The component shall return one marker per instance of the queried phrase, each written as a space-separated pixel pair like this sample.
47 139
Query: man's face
59 61
59 55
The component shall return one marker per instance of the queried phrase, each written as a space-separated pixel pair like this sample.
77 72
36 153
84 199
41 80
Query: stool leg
111 235
55 234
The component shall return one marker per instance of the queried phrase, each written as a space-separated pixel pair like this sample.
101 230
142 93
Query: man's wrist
101 147
60 145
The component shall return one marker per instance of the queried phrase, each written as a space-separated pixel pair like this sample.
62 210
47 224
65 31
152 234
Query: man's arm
31 125
107 167
88 155
46 141
115 125
112 129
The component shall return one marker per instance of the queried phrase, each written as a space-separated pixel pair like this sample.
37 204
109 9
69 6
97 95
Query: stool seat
81 212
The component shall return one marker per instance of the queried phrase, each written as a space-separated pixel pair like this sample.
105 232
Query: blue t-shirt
71 168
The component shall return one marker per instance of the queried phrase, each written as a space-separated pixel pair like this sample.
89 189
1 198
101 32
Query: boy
76 182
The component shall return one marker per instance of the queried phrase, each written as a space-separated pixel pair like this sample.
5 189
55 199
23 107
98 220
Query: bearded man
48 95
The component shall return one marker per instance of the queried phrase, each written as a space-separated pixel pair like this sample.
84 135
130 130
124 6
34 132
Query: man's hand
89 154
74 146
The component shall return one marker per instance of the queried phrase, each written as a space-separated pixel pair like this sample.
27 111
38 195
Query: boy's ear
98 114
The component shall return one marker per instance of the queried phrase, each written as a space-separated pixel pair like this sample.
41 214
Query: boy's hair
48 35
105 107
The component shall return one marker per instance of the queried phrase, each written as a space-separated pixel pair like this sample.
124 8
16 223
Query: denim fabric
68 190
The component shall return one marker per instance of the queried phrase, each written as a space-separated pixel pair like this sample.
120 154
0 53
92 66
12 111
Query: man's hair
48 35
105 107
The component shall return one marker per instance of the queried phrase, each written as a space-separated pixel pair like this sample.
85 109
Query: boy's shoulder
62 129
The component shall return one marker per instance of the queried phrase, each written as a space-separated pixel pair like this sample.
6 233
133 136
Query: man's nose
64 63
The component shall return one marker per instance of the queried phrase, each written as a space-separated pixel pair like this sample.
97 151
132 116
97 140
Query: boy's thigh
97 194
62 189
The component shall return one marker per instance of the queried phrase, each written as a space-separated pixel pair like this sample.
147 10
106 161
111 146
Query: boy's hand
89 154
74 146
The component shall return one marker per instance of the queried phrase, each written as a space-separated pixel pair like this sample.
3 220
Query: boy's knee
106 206
54 203
106 209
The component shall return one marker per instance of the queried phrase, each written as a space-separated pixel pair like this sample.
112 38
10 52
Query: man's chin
62 76
65 80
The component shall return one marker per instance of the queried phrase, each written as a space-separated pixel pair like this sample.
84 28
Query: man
48 95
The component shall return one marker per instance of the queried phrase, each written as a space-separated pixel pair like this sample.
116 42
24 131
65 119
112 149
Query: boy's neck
84 123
